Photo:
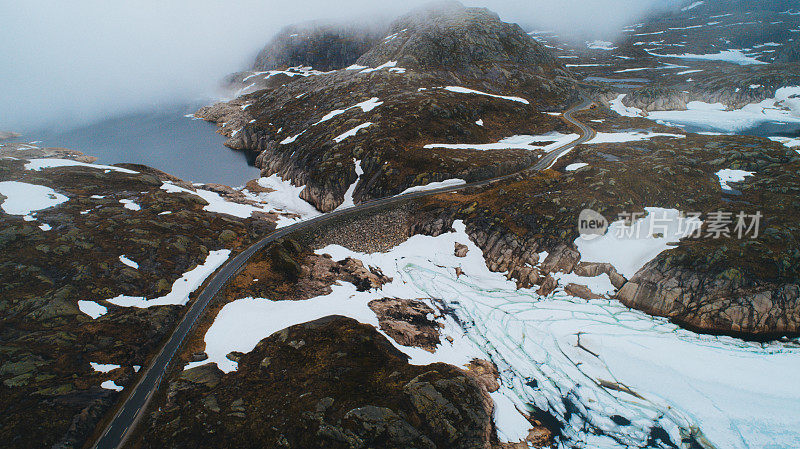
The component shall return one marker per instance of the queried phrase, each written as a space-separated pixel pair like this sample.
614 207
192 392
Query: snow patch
692 6
285 198
629 247
130 205
348 195
366 106
40 164
731 56
23 198
601 45
110 385
728 175
352 132
464 90
625 111
181 288
103 368
391 65
600 284
128 262
520 142
92 309
789 142
435 185
629 136
291 139
573 167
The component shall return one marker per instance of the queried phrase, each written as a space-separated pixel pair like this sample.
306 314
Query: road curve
127 415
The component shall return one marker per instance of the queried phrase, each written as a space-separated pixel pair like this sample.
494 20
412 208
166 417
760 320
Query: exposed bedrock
332 383
666 99
725 304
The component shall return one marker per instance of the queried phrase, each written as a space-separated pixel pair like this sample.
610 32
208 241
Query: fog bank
69 63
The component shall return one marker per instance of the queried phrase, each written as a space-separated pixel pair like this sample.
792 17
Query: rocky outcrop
667 99
323 46
486 373
592 269
506 252
467 42
330 383
727 304
233 121
408 322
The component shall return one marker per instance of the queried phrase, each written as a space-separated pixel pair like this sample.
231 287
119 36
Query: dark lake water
164 139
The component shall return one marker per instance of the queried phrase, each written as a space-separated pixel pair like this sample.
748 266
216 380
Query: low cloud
67 63
579 18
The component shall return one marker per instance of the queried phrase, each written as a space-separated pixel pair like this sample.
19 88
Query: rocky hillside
98 262
730 52
470 42
746 287
446 74
76 240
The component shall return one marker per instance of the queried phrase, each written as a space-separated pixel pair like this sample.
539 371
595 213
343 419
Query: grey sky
77 61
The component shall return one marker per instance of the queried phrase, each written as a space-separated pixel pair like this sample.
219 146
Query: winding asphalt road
128 414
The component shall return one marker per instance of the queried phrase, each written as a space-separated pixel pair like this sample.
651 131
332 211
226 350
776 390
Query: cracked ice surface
736 394
592 364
